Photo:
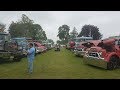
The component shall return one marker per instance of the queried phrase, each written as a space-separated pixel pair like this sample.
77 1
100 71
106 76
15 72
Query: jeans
30 65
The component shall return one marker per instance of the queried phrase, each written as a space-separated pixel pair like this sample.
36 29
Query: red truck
76 41
84 47
105 55
80 49
70 45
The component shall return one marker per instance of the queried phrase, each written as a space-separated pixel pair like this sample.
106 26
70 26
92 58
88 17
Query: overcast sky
108 22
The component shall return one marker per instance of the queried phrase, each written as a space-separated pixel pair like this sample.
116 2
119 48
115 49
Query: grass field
55 65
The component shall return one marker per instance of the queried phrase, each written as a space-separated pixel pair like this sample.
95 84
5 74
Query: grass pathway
55 65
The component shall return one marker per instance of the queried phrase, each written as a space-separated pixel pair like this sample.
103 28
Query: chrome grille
94 54
79 49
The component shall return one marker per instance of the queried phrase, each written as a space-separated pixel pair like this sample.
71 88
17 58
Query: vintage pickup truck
106 54
83 47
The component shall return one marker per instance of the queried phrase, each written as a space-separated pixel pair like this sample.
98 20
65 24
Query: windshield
79 40
117 42
5 37
2 37
83 39
20 41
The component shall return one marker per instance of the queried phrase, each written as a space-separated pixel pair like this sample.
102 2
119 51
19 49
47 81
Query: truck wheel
113 63
110 66
118 63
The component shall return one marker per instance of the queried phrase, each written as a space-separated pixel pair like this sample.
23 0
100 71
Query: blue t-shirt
31 53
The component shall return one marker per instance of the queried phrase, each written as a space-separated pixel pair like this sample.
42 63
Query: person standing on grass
30 56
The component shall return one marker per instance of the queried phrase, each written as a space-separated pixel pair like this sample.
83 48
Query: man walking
30 56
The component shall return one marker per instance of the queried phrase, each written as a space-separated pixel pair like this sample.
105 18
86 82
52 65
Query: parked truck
9 49
76 42
105 55
83 47
22 43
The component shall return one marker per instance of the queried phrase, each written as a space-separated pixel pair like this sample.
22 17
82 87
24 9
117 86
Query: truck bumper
95 62
9 55
5 54
79 53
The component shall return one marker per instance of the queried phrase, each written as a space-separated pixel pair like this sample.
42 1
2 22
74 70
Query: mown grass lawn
55 65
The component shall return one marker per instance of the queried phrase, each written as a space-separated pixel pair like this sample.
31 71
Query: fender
110 55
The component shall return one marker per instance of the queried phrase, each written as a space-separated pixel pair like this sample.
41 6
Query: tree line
25 27
64 33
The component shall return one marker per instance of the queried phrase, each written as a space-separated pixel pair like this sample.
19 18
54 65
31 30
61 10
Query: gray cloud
108 22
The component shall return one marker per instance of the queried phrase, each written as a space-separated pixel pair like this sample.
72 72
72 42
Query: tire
110 66
113 63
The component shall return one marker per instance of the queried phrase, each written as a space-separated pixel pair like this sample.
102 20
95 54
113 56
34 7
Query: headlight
101 56
100 53
82 49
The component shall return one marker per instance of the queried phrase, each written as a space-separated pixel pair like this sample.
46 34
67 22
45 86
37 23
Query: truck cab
78 40
84 47
22 43
70 45
4 37
106 54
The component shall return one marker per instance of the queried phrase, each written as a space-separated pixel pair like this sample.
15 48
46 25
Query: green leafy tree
58 42
15 29
74 33
25 27
50 41
2 27
90 31
63 33
44 37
